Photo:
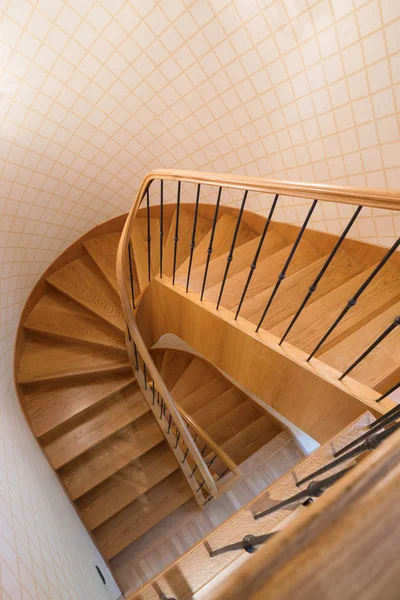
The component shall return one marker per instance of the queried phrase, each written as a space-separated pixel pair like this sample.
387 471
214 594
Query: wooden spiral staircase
168 418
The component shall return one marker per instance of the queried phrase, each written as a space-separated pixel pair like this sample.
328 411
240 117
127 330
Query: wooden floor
173 536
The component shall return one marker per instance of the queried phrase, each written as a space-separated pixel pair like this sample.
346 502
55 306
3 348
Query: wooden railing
140 357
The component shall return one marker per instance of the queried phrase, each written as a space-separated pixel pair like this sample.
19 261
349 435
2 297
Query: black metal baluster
193 242
313 490
176 238
177 439
248 543
136 356
185 456
393 389
193 472
257 254
131 274
212 461
148 234
230 255
153 393
352 302
370 443
282 275
374 344
387 417
161 224
201 485
161 409
315 283
210 247
384 423
169 423
145 375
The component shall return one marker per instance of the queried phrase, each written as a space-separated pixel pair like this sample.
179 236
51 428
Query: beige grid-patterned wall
95 93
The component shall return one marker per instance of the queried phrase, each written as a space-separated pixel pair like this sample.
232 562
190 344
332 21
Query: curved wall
94 93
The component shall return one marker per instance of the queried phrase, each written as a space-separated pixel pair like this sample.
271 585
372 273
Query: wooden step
185 229
265 275
80 281
294 288
204 394
103 250
197 373
108 457
52 403
218 408
316 319
224 231
243 256
381 368
250 439
123 487
102 421
142 514
229 425
46 359
174 364
140 249
58 316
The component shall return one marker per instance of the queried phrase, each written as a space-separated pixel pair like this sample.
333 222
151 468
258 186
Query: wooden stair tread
229 425
218 408
196 374
316 319
123 487
142 514
99 463
80 281
46 359
294 288
265 275
96 425
185 228
253 437
174 364
204 394
140 249
52 403
224 231
58 316
103 250
242 258
383 364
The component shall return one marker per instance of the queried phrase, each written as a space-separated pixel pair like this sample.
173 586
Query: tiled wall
95 93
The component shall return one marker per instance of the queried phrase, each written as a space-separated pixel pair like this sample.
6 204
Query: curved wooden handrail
374 198
232 466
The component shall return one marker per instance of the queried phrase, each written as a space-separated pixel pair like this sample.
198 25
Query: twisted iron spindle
176 238
253 265
131 274
193 242
353 301
315 283
210 247
232 248
148 234
374 344
282 275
